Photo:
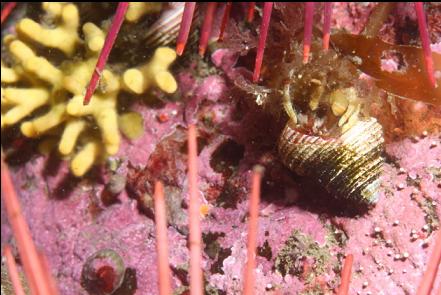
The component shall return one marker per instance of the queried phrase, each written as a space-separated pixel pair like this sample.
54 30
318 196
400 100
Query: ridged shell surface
348 166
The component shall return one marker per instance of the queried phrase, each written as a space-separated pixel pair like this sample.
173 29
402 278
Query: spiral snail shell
348 166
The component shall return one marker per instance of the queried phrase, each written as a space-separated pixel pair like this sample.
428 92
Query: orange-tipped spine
206 27
307 33
184 29
327 16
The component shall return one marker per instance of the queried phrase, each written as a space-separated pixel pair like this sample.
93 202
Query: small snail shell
103 272
348 166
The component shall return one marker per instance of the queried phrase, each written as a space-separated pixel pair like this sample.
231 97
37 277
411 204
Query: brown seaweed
411 82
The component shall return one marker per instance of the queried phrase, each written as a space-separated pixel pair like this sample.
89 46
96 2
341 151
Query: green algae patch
297 251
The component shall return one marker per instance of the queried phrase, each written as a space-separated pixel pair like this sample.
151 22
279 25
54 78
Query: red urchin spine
266 17
425 41
250 12
225 19
206 27
107 47
184 30
307 35
327 16
7 9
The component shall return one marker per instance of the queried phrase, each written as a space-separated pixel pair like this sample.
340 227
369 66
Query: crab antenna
107 47
250 13
26 248
161 240
225 19
13 271
184 30
307 34
206 27
252 231
346 275
425 41
327 15
267 8
7 9
195 244
432 268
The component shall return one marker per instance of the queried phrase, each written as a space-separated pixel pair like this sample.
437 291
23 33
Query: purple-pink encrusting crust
69 221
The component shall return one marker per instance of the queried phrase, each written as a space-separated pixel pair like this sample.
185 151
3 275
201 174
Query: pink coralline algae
303 234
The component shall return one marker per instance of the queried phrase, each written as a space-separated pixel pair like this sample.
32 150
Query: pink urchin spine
327 16
433 264
161 240
195 240
13 271
253 212
307 35
346 275
26 247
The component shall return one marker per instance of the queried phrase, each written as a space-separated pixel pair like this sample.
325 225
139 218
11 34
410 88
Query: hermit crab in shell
329 134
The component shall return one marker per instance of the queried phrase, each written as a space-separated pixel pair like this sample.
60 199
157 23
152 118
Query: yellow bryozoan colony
46 99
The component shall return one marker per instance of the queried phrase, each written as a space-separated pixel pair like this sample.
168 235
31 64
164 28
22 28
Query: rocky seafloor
303 233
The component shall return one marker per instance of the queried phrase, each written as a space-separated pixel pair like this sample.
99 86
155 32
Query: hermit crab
329 134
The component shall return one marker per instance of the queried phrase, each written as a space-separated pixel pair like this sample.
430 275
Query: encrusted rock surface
303 233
